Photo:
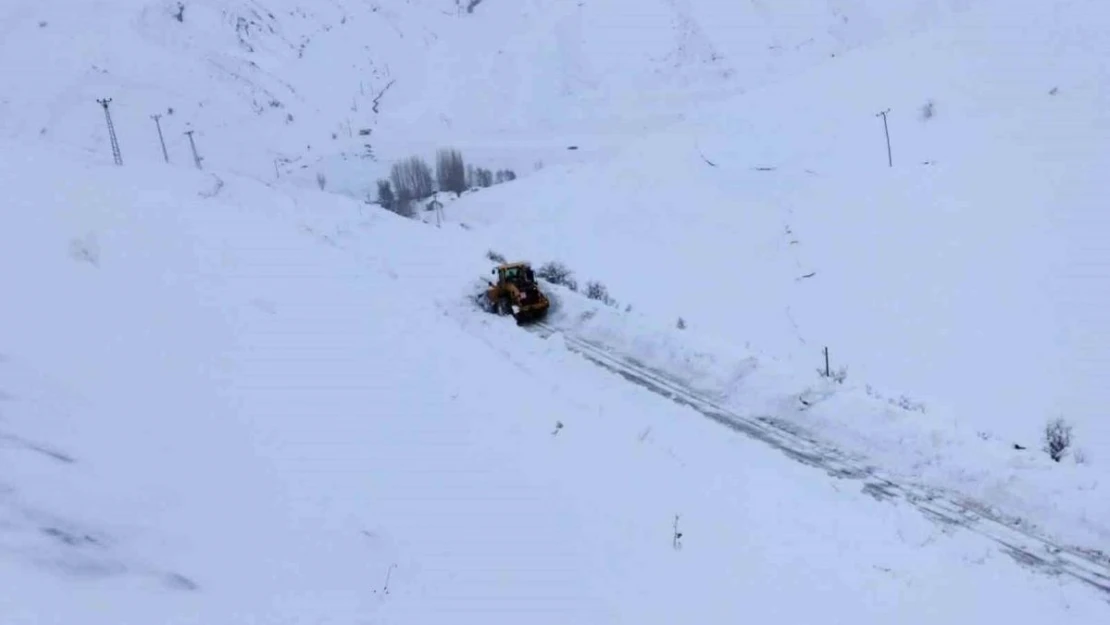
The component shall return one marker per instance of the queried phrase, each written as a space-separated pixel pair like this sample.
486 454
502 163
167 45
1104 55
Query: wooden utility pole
192 144
886 130
161 139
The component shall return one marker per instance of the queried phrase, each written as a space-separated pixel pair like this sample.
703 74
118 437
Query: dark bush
557 273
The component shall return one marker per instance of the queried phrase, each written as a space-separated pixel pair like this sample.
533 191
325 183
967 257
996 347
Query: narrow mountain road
1021 543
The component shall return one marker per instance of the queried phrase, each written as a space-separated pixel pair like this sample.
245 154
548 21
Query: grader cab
516 293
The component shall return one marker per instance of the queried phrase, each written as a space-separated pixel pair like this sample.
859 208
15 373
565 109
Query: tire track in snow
1024 545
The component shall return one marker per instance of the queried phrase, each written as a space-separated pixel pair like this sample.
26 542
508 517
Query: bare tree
412 180
451 171
485 177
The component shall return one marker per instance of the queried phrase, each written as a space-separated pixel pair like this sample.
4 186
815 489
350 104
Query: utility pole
886 130
192 144
111 131
161 139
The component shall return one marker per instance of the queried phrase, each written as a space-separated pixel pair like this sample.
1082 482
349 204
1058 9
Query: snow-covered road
1013 537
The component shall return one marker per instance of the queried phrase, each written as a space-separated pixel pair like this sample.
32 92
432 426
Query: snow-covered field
228 397
969 279
248 404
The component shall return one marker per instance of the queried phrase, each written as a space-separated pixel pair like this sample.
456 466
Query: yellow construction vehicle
517 293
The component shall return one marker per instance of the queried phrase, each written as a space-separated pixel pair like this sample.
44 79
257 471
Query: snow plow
516 293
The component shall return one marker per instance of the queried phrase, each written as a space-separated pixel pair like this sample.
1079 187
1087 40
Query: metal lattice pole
193 145
111 131
161 139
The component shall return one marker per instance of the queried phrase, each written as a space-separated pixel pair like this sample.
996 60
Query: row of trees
412 179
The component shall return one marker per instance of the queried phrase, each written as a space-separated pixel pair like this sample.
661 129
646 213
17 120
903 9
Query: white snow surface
286 88
254 405
226 396
967 283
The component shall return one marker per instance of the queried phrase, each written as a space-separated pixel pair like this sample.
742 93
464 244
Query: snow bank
882 427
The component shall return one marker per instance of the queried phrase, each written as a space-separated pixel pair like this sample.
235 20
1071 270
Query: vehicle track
1024 545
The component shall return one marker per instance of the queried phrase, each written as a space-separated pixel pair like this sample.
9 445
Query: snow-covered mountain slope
225 396
970 276
293 88
224 402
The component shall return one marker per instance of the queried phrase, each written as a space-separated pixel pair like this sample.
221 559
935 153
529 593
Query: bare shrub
557 273
404 208
385 194
597 291
837 376
1057 438
85 249
928 110
495 257
908 403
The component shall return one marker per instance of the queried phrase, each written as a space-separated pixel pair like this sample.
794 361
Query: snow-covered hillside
293 88
970 277
226 396
223 402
